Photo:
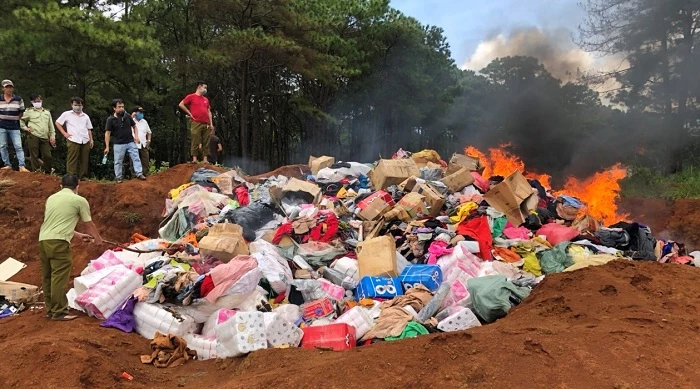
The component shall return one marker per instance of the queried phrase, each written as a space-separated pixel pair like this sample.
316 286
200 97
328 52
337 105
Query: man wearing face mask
11 111
126 138
144 132
78 132
41 134
201 123
63 211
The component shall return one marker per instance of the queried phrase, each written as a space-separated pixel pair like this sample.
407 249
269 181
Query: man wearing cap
144 132
78 132
41 136
11 110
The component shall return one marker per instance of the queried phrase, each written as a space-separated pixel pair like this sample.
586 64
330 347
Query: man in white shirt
78 132
144 132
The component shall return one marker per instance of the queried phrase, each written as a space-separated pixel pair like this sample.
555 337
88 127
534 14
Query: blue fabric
119 152
16 139
123 319
571 201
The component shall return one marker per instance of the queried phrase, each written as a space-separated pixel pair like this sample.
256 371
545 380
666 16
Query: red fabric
478 229
326 231
242 196
198 106
284 229
481 182
206 287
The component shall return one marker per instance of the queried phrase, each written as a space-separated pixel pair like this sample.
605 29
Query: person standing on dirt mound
11 110
144 131
41 134
63 210
201 123
126 137
78 132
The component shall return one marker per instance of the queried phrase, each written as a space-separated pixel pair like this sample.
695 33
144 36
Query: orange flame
599 193
500 162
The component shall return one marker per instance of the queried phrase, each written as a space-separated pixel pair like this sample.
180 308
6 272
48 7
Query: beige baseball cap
7 83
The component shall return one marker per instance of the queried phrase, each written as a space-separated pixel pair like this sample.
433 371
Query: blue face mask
139 115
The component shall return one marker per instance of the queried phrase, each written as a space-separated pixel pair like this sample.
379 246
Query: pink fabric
470 198
437 249
517 233
227 274
556 233
480 182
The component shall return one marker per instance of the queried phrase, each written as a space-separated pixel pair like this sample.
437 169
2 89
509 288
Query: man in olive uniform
63 210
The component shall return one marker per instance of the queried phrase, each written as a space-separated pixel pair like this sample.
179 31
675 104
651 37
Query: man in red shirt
201 123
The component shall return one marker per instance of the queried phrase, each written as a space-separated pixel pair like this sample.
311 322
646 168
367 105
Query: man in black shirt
125 139
214 148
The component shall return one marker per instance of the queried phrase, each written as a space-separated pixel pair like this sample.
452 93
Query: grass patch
649 183
131 218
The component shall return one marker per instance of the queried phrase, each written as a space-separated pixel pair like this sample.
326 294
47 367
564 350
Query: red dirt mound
621 325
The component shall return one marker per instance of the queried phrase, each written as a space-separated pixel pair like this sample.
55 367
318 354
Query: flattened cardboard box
514 197
17 292
393 172
318 163
459 161
458 180
375 209
224 182
311 191
377 257
433 199
224 242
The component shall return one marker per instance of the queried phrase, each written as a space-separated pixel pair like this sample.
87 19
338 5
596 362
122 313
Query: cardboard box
224 242
458 180
375 205
398 213
392 172
459 161
307 190
17 292
225 183
433 199
414 204
377 257
514 197
409 184
318 163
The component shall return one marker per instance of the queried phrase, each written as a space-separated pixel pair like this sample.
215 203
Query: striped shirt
10 112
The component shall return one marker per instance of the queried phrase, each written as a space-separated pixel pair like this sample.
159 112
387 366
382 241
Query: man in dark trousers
125 139
63 211
201 122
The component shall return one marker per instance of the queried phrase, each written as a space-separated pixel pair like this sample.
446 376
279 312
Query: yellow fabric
63 210
342 193
591 260
463 212
578 253
428 155
175 193
532 264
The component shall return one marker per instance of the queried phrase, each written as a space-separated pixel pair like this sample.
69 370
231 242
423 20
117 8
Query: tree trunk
245 112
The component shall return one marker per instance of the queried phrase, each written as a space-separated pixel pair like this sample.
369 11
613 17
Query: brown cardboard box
312 191
458 180
433 199
318 163
224 242
459 161
392 172
224 182
375 209
17 292
377 257
514 197
398 213
414 204
408 184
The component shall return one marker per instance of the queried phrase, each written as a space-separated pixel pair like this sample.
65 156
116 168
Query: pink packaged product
336 292
105 296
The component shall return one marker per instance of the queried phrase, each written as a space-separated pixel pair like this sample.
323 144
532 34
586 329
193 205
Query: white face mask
37 104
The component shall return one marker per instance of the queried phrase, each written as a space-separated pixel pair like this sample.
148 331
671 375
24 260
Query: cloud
553 47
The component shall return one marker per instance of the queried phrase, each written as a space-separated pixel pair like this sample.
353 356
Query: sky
481 30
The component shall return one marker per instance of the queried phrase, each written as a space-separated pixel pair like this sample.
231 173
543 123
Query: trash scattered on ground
351 255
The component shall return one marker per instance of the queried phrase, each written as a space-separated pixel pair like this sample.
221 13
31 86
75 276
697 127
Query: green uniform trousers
200 137
56 264
78 159
39 150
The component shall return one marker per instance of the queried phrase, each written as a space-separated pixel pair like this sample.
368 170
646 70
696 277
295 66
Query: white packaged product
359 318
347 266
280 332
289 312
242 333
463 319
150 318
107 290
205 347
274 268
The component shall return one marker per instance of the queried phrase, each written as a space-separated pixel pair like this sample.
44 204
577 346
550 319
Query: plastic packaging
434 305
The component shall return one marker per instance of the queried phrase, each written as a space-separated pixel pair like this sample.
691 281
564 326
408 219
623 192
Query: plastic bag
555 260
556 233
203 175
251 218
493 296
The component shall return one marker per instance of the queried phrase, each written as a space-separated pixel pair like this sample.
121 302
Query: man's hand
98 241
106 151
211 127
92 144
137 140
53 142
67 135
29 129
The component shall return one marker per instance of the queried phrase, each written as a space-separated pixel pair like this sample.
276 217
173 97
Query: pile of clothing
347 256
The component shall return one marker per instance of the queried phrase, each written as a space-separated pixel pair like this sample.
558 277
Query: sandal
64 317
